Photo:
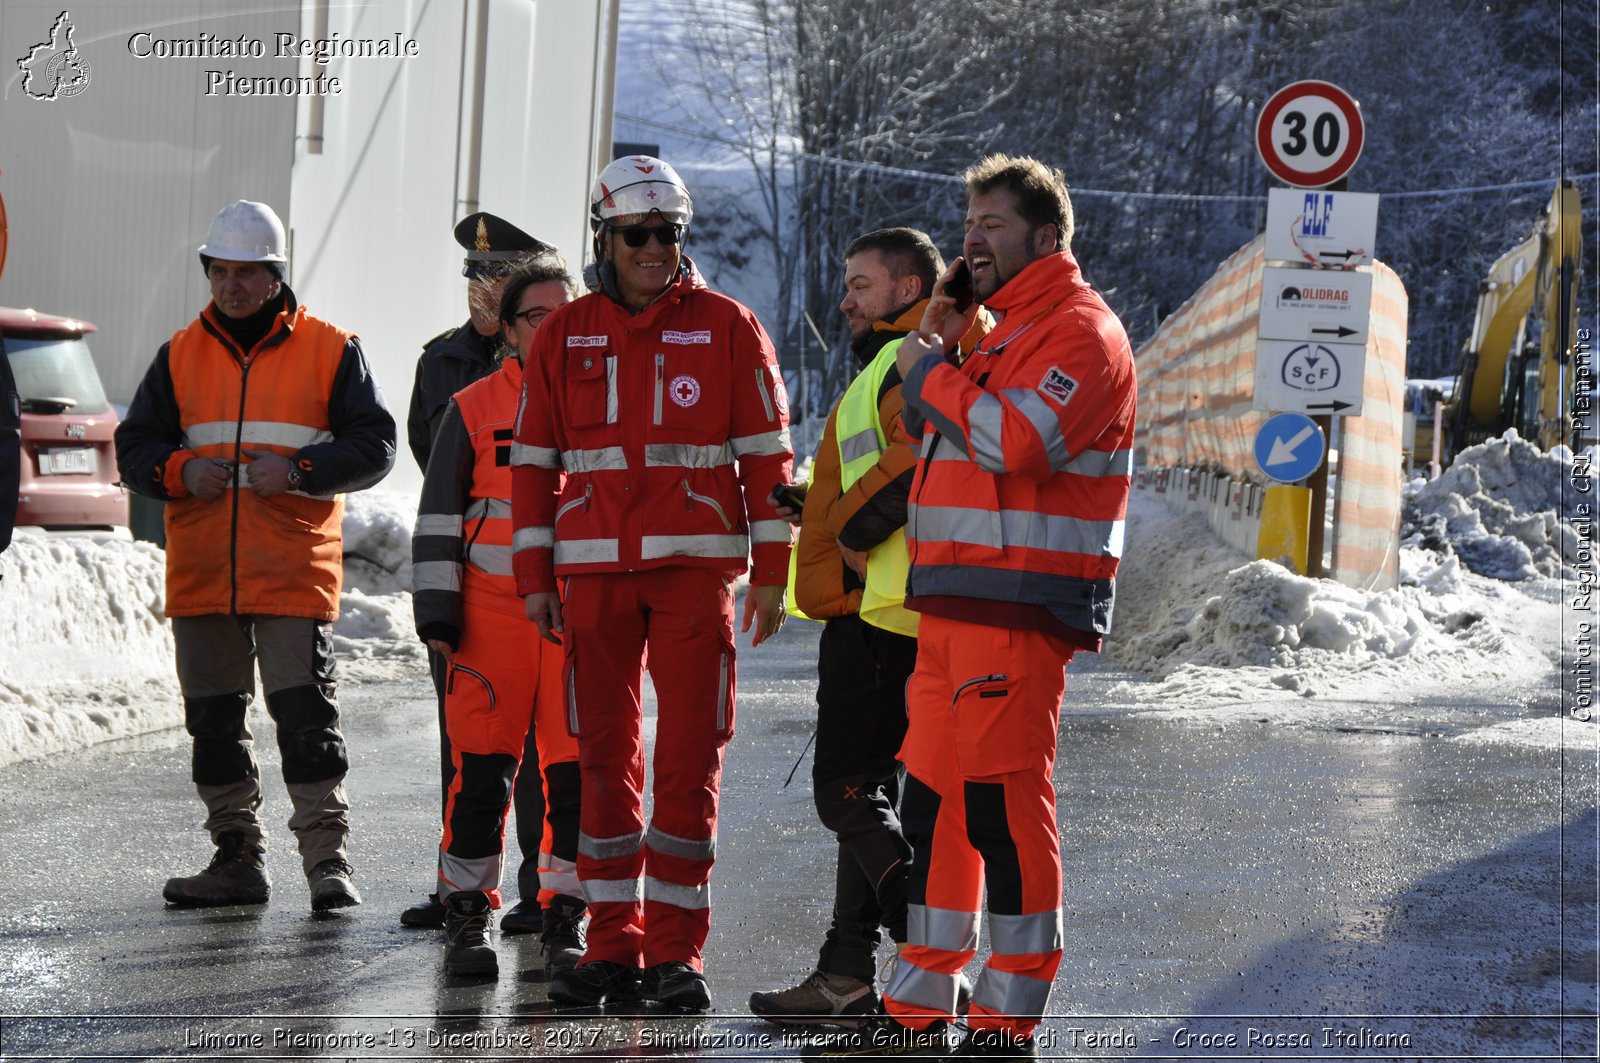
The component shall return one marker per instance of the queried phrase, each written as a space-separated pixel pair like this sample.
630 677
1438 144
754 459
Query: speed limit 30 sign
1309 134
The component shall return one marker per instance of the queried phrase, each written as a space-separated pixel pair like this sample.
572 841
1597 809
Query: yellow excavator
1518 368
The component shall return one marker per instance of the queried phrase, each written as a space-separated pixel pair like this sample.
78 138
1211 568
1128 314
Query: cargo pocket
992 726
590 387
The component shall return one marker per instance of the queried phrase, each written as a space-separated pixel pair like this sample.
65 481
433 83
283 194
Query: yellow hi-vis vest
861 441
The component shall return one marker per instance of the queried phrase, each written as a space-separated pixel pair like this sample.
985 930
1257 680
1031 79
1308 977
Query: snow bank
86 653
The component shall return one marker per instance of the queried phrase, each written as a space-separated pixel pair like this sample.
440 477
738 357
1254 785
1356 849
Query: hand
544 609
206 478
941 319
857 561
269 473
764 607
783 509
442 648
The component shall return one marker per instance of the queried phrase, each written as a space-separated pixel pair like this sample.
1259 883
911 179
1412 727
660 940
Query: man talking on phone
1015 526
849 570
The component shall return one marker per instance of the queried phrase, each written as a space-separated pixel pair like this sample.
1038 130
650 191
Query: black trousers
856 780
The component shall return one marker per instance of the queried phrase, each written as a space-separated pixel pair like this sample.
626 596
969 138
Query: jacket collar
1042 282
288 317
886 330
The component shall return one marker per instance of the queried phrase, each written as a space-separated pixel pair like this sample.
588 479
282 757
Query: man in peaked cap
449 362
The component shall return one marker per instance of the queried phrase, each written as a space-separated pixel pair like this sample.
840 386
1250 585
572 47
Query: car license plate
68 460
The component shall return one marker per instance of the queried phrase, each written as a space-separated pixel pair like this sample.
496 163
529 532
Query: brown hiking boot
237 874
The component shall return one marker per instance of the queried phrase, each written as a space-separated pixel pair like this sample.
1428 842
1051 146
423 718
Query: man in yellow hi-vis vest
849 569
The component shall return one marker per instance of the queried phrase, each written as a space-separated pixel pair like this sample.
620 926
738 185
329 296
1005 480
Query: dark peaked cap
494 246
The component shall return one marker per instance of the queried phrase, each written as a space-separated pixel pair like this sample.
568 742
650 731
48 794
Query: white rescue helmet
639 184
245 231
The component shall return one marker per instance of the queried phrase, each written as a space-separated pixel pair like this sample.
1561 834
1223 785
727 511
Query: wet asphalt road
1260 891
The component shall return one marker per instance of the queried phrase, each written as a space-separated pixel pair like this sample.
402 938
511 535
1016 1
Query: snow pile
1507 509
86 653
1213 628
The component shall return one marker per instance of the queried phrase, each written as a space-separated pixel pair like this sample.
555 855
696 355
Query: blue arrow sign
1289 447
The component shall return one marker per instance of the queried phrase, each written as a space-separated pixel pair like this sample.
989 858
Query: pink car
69 462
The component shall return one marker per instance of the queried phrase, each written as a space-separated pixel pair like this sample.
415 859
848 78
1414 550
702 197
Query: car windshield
56 367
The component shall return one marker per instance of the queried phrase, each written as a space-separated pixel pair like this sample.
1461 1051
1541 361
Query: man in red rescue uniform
662 403
1015 527
250 423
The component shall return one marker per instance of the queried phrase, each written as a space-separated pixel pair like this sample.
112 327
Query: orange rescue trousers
979 808
503 679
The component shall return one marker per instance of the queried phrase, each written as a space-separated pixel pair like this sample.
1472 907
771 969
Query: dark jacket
449 362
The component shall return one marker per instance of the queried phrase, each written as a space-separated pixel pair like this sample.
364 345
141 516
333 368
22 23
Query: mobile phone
959 287
791 495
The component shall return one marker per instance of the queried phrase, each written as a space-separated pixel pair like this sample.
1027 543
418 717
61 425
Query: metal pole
1318 482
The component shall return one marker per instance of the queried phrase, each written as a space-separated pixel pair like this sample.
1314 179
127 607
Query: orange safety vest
488 414
241 553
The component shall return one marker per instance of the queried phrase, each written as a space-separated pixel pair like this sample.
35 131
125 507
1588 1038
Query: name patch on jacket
588 341
1058 385
703 336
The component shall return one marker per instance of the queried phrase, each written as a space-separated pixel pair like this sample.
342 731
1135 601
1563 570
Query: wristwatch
294 477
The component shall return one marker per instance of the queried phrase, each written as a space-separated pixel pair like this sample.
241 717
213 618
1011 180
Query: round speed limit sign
1309 134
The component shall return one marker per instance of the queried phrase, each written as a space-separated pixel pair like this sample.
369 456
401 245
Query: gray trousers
218 656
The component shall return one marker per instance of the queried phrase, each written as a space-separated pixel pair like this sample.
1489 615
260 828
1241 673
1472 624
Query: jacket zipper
238 471
688 503
661 381
588 489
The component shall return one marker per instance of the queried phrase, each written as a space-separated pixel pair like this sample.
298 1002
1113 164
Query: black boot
237 874
525 917
425 913
563 941
466 928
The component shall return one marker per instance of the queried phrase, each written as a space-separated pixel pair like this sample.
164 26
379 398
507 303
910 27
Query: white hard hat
640 184
245 232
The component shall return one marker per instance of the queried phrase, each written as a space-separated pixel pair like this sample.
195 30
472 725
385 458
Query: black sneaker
676 984
331 886
237 874
525 917
427 913
997 1044
562 940
595 983
880 1035
467 947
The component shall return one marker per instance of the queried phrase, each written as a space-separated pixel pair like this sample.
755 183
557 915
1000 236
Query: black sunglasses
639 235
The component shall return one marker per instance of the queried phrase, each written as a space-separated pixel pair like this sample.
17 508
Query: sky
1467 647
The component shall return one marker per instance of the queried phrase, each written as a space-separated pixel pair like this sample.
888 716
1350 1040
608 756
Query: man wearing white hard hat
653 427
250 424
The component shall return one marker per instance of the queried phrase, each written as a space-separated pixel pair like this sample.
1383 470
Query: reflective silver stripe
686 848
722 691
660 384
532 537
495 560
572 698
766 400
1011 994
538 457
611 389
610 848
437 524
763 443
585 551
983 433
613 890
435 576
1023 935
695 898
769 531
941 928
861 445
1019 528
605 459
493 508
687 455
1101 463
1042 416
924 990
559 875
468 875
271 433
657 546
